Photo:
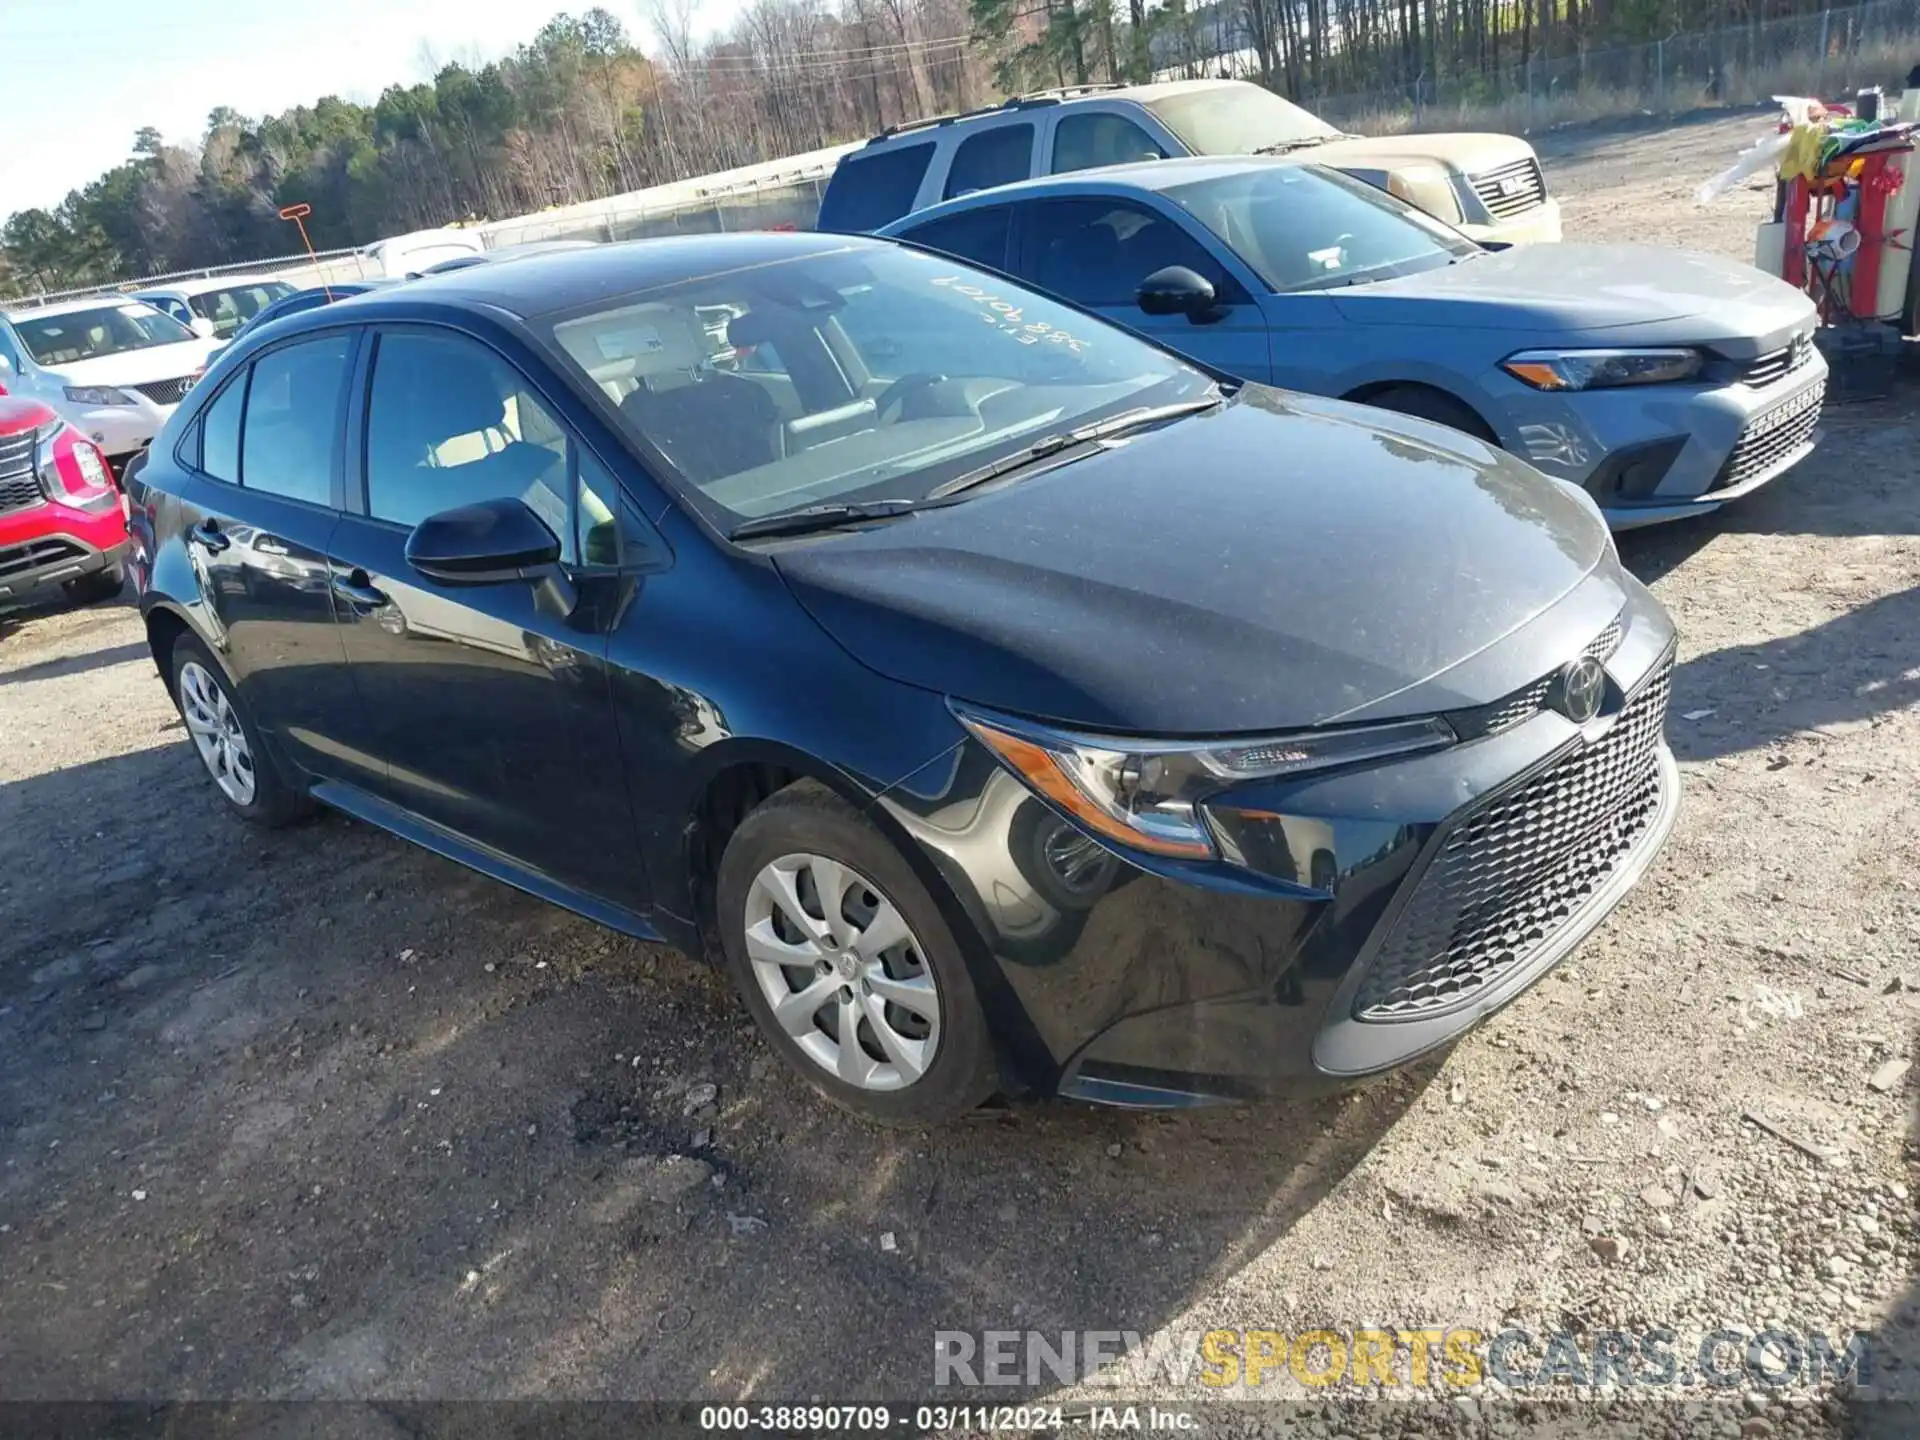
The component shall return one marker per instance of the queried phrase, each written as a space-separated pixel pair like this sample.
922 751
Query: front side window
1085 139
449 423
290 438
998 156
1096 252
1303 227
871 189
899 370
76 335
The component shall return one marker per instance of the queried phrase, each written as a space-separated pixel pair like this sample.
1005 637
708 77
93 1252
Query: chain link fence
1829 53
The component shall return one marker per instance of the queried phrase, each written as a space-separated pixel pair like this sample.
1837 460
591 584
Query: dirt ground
315 1114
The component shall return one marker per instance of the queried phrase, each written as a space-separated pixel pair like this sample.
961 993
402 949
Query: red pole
297 214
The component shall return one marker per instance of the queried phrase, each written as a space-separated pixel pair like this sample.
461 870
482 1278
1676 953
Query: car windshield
1237 118
88 334
1303 227
232 307
874 374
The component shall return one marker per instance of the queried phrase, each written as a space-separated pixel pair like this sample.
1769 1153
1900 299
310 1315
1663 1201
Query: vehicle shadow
315 1113
1890 1408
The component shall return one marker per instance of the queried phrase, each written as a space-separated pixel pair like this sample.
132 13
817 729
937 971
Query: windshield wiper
820 517
1283 147
1051 445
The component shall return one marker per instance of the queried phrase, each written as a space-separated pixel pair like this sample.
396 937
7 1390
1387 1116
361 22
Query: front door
489 706
266 455
1096 252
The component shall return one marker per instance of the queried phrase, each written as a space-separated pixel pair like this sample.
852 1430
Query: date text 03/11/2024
937 1419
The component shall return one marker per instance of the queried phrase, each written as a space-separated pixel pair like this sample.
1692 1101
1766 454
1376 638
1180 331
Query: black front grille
19 487
19 559
1778 363
1509 876
1771 437
166 392
1525 704
1509 190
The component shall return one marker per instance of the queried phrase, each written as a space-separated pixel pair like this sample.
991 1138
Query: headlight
1429 188
1601 369
1145 793
97 395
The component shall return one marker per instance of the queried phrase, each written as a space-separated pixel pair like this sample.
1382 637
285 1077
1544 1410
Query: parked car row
1012 703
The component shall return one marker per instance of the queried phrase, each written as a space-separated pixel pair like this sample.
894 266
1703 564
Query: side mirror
202 327
1176 290
484 544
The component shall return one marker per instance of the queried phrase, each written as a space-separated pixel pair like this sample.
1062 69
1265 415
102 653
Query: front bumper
121 431
1538 226
1655 453
1356 930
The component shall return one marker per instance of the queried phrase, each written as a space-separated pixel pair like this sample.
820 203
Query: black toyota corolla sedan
1009 704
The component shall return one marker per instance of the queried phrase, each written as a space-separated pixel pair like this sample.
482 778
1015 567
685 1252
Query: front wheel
847 964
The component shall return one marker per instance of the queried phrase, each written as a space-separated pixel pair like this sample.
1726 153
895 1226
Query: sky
83 75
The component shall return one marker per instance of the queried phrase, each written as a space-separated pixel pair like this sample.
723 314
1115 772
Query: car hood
1586 288
137 367
1279 562
1467 152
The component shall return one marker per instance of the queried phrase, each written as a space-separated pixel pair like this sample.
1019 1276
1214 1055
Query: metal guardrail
326 265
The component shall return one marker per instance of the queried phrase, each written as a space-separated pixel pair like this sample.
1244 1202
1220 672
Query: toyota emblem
1581 687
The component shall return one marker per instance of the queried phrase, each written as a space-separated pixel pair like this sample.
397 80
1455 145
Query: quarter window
220 432
871 190
290 437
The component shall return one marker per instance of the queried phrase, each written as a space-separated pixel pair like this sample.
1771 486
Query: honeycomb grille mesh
1511 875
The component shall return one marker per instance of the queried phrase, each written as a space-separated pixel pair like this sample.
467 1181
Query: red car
61 515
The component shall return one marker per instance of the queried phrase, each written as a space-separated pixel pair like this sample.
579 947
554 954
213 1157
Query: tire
100 585
1426 404
793 829
200 689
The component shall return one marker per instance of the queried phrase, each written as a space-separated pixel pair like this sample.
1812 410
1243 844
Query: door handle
270 546
356 590
207 535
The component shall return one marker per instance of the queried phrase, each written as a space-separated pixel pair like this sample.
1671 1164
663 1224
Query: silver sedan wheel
215 727
842 972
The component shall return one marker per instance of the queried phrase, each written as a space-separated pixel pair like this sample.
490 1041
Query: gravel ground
314 1114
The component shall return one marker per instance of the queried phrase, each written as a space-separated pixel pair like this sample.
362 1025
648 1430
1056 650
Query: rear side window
291 433
977 235
1096 252
220 433
998 156
871 190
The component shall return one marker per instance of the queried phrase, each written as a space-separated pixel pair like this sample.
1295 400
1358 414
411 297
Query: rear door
1096 251
491 710
266 456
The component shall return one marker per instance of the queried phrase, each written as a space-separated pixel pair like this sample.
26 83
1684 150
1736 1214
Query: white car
113 368
411 254
215 308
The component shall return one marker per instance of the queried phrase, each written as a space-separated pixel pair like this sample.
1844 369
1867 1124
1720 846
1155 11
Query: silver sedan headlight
1602 369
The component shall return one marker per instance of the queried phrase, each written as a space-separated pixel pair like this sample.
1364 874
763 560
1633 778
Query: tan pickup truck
1488 186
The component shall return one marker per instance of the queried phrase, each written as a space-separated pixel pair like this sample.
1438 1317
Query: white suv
1490 187
215 308
112 367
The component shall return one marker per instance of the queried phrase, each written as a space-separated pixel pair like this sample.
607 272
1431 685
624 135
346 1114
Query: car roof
204 284
73 307
563 279
1062 95
1151 176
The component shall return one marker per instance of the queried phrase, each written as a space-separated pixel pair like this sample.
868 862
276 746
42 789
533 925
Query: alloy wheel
842 972
217 733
